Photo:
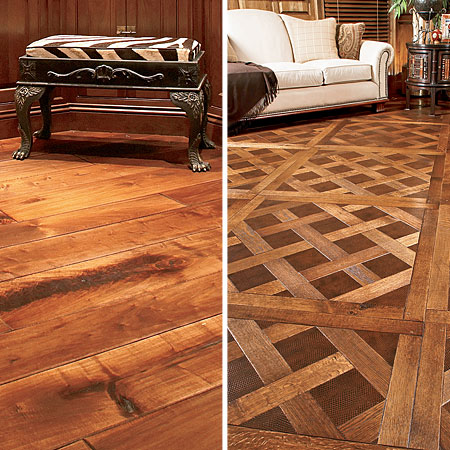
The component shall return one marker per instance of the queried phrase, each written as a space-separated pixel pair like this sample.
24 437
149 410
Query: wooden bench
167 64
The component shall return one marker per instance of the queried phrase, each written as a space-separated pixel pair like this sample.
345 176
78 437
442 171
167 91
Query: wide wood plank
51 253
171 428
58 406
93 193
127 275
57 341
74 221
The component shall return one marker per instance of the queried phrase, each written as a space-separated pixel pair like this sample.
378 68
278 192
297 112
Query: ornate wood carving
104 73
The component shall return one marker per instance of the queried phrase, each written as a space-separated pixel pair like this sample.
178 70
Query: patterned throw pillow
312 39
349 38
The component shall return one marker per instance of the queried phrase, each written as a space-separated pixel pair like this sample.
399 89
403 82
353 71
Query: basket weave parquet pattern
338 279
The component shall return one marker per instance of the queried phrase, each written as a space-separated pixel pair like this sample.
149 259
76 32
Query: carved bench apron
168 64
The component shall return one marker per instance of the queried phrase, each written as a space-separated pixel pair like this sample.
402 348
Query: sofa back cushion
312 39
258 36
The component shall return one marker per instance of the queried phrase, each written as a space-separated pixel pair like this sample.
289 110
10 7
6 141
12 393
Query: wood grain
81 398
167 428
248 439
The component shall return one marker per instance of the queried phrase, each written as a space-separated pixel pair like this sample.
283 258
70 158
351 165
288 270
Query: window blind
374 13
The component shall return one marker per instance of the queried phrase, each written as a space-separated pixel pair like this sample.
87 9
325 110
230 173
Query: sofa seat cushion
115 48
341 70
295 75
258 36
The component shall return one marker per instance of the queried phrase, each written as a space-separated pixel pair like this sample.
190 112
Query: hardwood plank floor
110 295
339 268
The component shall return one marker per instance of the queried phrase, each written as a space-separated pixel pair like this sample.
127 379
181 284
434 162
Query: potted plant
425 10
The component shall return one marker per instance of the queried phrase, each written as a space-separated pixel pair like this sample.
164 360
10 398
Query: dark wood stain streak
133 269
126 406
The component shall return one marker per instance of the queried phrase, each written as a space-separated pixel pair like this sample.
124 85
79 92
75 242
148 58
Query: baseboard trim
109 117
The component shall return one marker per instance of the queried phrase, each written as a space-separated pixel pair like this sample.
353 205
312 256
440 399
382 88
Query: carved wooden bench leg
193 103
45 102
24 97
206 142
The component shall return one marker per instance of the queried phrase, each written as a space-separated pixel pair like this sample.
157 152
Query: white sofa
264 37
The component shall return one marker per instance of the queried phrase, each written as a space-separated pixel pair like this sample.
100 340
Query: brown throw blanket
251 88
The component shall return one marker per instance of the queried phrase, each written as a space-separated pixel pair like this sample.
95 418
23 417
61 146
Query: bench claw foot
206 142
42 134
197 164
193 104
21 154
24 96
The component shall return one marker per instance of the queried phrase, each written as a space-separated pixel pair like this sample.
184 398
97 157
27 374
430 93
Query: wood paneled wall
29 20
303 9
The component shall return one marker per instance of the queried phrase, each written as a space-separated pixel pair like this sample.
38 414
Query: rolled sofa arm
380 55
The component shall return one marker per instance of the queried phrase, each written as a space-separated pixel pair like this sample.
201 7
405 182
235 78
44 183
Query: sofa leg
378 107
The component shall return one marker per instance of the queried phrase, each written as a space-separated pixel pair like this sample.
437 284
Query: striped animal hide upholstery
115 48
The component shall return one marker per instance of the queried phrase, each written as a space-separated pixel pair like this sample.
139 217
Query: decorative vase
436 36
428 9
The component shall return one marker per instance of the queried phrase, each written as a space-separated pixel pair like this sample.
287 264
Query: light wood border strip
240 438
425 425
260 145
244 307
346 199
440 265
400 399
369 149
420 280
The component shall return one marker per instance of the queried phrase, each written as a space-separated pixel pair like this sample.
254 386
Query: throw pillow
232 57
311 39
349 37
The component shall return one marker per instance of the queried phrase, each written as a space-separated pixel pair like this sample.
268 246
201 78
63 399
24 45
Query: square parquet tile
338 376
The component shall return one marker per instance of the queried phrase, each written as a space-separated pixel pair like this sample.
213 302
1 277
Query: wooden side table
428 69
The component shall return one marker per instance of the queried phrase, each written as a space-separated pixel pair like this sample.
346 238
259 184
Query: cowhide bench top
115 48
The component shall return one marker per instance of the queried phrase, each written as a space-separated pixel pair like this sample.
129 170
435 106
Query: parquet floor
110 295
339 251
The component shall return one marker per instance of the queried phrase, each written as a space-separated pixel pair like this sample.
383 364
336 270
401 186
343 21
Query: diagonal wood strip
365 426
276 332
366 360
268 397
280 268
376 289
